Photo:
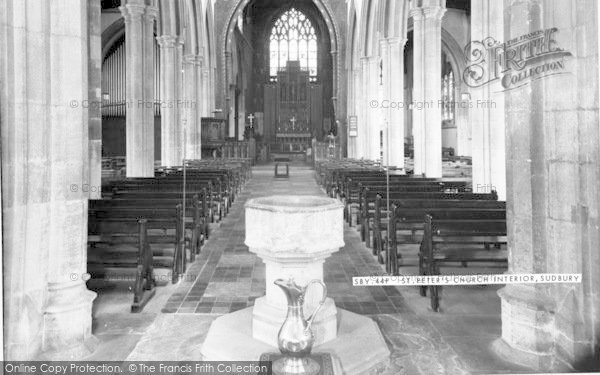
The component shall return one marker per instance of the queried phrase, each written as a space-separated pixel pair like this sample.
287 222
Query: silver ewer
295 337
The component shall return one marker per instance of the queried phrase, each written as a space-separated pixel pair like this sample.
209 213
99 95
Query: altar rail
230 150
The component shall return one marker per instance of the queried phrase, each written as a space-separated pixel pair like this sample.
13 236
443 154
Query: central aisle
227 277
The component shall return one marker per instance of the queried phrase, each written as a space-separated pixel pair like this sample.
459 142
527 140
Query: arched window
448 95
293 38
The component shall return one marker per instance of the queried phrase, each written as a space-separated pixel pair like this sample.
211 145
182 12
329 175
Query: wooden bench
457 240
415 185
369 197
196 207
166 235
406 222
208 190
195 223
131 238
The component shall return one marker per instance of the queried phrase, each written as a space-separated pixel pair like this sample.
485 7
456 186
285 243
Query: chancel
314 186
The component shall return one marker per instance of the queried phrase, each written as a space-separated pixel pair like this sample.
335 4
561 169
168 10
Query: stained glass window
448 97
293 38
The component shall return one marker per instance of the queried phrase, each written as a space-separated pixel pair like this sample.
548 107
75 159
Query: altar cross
293 121
251 118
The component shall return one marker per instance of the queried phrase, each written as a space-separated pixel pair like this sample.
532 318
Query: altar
293 110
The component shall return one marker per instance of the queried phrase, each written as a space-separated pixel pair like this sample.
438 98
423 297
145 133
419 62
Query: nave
226 277
100 91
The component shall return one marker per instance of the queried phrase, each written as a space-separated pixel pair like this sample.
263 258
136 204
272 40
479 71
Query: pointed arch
368 28
237 11
190 28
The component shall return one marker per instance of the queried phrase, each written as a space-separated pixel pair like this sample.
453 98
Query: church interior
177 175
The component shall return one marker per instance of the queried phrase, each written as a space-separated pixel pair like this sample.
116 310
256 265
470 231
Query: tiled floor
226 277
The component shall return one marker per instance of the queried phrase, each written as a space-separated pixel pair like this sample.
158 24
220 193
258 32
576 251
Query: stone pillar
364 108
44 133
179 96
462 119
190 107
553 169
375 120
206 109
418 116
352 111
148 108
171 132
95 97
139 131
395 82
427 92
383 77
487 114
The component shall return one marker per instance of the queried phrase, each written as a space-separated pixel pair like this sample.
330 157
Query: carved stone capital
394 41
151 14
435 13
166 41
133 11
416 14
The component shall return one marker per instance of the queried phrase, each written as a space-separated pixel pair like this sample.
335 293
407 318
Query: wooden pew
350 190
406 216
131 238
195 222
458 240
415 185
210 194
196 210
165 234
369 197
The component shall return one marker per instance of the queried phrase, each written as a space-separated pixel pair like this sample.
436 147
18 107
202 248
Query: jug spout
293 292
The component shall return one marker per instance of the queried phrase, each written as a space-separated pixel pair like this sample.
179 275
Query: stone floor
227 277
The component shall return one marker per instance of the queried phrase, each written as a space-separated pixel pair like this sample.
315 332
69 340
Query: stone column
427 92
418 116
359 111
351 140
553 169
383 77
371 95
190 106
148 108
180 95
395 83
364 108
375 120
229 87
487 114
171 132
95 97
206 109
44 134
139 132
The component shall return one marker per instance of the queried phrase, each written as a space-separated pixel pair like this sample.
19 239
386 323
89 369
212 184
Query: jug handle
310 319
